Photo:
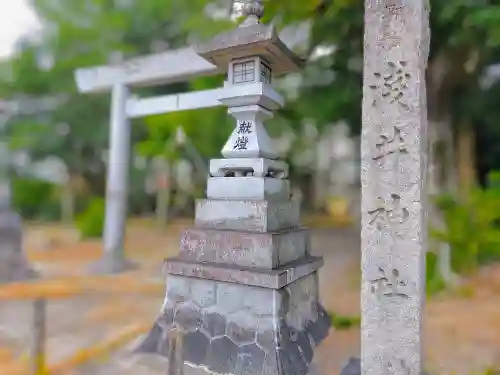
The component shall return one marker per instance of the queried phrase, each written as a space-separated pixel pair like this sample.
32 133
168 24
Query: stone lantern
242 296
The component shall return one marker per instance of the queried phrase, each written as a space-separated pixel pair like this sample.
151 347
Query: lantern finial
253 10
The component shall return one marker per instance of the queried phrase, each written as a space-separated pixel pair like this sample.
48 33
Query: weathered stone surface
222 356
318 329
13 263
239 337
151 343
247 215
195 347
188 316
259 40
250 360
262 250
275 279
257 167
214 324
203 292
394 207
178 289
248 188
353 367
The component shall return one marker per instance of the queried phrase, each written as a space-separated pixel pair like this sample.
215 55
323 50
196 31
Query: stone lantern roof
251 38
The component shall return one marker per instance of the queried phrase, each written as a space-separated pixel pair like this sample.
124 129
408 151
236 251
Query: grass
344 322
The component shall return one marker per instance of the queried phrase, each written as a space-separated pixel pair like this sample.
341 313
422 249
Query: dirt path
462 330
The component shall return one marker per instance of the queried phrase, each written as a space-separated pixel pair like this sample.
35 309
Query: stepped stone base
13 263
215 327
247 215
263 250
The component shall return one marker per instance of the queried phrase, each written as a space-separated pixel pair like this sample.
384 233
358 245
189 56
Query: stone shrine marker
242 296
13 263
394 222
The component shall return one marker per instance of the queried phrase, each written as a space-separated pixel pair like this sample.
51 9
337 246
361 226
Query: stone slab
249 188
247 215
274 279
262 250
257 167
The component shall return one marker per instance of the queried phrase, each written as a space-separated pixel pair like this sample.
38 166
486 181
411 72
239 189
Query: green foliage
343 322
35 200
471 229
91 221
434 281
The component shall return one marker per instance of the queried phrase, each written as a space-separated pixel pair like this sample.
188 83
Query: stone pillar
394 194
114 260
242 296
13 263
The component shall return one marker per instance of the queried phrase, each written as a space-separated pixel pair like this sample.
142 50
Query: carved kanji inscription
389 212
241 143
389 284
397 367
392 84
245 127
393 6
390 143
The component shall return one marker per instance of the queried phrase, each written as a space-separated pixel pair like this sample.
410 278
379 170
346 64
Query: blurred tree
465 40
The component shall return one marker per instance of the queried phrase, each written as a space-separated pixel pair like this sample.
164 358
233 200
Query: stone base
261 250
247 215
248 188
13 263
213 327
16 269
109 265
353 367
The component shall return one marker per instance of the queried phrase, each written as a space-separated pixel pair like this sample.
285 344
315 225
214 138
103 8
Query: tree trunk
466 155
442 172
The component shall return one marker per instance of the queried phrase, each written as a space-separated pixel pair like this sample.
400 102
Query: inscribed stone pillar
394 223
242 296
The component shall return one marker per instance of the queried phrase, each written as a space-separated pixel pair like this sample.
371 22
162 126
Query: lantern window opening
265 73
244 71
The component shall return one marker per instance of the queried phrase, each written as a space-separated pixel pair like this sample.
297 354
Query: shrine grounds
94 334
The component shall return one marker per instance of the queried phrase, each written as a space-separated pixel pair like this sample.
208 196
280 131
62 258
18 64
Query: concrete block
262 250
251 188
256 167
247 215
